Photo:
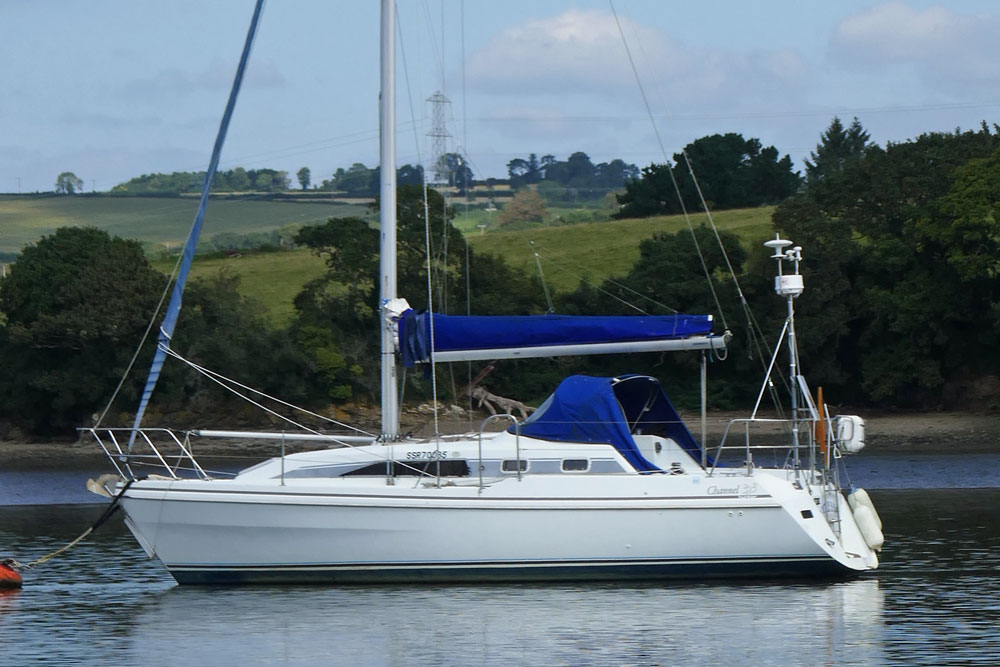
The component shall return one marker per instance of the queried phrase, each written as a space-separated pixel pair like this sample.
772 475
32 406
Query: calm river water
935 600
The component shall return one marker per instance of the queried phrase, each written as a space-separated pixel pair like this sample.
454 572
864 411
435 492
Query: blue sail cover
475 332
609 411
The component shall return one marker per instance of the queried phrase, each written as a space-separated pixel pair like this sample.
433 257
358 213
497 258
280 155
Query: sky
112 89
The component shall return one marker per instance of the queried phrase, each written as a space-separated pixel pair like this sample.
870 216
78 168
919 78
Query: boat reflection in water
696 623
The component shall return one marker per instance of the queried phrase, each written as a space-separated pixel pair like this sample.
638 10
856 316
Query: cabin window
514 465
448 468
575 465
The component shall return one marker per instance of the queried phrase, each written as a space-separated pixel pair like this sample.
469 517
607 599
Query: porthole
575 465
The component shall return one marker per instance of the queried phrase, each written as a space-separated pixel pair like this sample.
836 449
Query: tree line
904 246
188 182
732 172
77 302
902 306
577 177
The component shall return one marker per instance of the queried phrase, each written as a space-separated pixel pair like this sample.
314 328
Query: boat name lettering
432 455
723 491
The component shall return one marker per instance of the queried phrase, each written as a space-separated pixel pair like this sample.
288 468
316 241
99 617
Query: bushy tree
522 172
829 317
76 304
67 183
614 174
188 182
305 177
732 172
345 299
360 181
837 147
356 181
453 169
269 180
525 206
653 193
908 229
410 174
576 178
228 333
337 317
236 179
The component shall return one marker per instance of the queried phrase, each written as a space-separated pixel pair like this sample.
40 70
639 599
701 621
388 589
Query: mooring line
109 511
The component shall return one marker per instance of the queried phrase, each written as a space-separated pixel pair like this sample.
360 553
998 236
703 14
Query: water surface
935 600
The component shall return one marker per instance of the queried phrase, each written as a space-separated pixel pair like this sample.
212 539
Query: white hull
542 527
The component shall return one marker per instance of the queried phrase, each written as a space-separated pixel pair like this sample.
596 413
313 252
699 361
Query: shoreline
920 433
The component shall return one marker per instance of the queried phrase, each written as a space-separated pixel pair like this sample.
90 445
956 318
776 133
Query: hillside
596 250
591 250
273 278
155 220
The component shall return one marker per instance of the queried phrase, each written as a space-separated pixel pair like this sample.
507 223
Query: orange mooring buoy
9 577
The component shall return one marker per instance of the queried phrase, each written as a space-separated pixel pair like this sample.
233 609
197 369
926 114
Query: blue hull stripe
530 571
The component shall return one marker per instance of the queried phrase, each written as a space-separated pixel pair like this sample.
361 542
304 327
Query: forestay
187 256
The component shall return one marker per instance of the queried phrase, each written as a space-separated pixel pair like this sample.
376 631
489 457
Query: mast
387 219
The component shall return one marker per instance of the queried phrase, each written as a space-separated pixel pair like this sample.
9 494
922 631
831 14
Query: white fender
850 433
860 497
865 518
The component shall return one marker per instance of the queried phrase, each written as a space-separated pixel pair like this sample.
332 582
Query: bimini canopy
610 411
471 338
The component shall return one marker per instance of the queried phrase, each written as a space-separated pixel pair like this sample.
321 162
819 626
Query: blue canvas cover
609 411
487 332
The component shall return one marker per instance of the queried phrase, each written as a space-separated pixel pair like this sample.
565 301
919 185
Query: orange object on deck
821 425
9 577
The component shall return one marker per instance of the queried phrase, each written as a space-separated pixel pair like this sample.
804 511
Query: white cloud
581 53
895 31
572 50
946 50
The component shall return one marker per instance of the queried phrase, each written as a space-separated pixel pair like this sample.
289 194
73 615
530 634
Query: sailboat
603 482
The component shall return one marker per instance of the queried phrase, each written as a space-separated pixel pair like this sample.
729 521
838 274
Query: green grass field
273 278
592 251
166 221
596 250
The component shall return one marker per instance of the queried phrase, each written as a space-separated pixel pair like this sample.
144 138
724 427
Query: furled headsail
187 257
